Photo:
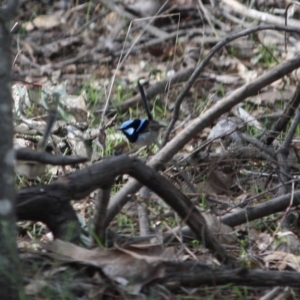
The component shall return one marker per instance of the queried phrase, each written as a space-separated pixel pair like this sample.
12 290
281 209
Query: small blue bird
142 132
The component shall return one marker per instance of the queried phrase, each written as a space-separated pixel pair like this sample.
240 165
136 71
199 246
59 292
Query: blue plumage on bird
142 132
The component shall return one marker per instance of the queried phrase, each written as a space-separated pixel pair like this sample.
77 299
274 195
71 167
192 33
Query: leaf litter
81 51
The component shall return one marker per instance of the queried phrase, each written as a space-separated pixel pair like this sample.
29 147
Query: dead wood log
193 275
51 203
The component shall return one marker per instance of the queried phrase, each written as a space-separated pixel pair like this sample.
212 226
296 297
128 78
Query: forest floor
218 77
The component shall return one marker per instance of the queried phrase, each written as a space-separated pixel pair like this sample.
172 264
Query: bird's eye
129 131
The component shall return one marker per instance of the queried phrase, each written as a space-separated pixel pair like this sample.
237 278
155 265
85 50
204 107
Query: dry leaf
145 8
43 22
282 260
271 96
76 106
220 182
149 252
35 286
130 271
224 233
246 117
263 241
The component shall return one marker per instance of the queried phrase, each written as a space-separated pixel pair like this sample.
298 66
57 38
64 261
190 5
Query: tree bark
10 278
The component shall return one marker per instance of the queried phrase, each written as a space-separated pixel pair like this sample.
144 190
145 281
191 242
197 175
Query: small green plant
266 55
36 230
122 93
298 131
202 200
195 244
30 111
89 10
232 51
249 107
245 259
199 104
221 91
255 189
125 221
93 95
171 222
280 104
158 111
241 292
253 131
113 137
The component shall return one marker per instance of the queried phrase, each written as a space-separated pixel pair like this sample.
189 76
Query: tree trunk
10 278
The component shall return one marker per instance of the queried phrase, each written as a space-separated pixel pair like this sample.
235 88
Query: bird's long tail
145 101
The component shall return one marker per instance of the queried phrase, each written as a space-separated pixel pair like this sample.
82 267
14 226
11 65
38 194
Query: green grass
253 131
266 55
195 244
298 131
240 291
93 95
125 221
221 91
204 204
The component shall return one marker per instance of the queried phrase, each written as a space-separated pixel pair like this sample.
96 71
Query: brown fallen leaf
224 233
44 22
132 271
282 260
220 182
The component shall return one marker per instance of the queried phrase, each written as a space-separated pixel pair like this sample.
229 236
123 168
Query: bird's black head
133 128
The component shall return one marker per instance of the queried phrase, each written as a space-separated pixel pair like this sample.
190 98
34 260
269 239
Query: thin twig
205 62
177 143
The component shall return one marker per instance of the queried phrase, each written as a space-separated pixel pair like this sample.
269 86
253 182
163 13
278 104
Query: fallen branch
202 276
47 203
47 158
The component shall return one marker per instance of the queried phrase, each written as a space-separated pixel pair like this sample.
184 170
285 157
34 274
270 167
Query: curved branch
46 200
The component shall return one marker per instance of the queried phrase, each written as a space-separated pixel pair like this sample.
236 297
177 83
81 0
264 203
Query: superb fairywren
143 132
